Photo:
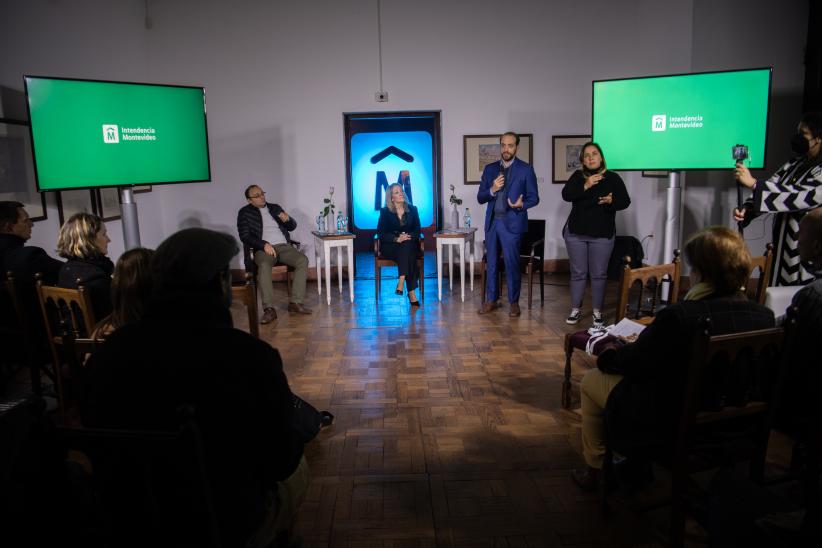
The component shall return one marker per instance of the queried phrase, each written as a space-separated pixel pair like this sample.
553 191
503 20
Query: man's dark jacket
643 409
24 262
250 229
185 351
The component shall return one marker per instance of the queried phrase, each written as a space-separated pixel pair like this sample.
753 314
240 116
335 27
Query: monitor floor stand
673 207
131 227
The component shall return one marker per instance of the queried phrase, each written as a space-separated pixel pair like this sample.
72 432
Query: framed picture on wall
565 156
655 174
141 189
70 202
481 150
17 182
107 202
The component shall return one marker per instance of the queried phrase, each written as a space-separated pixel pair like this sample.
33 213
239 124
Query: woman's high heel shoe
398 291
413 303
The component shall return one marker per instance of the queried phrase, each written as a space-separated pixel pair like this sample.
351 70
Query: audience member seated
24 262
185 351
798 400
83 240
130 290
638 388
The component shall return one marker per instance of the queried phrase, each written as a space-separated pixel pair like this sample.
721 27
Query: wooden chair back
149 484
380 261
13 299
649 279
732 384
763 263
247 294
65 312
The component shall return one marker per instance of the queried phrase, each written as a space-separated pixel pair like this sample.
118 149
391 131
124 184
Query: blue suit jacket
521 180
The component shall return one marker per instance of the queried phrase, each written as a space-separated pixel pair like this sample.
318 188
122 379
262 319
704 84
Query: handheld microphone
502 171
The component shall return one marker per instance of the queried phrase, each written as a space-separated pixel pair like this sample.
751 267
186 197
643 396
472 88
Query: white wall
279 75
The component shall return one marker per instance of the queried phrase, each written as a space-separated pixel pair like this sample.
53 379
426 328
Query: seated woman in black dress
399 233
83 240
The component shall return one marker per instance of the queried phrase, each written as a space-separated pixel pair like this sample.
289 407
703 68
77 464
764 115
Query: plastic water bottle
339 221
320 223
467 219
345 223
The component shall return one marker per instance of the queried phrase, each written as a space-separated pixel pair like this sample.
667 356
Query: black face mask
799 144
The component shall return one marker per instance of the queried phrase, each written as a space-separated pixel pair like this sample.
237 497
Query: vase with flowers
327 212
455 214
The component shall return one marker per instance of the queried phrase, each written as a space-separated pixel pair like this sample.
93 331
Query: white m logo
111 133
658 122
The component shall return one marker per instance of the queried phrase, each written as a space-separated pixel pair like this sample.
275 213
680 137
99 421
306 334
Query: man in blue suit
509 187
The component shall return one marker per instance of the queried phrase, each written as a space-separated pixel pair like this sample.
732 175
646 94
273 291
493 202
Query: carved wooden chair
246 293
65 311
764 264
640 306
531 258
381 261
732 384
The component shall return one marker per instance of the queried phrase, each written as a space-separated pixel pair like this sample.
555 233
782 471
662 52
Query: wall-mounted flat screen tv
90 133
685 121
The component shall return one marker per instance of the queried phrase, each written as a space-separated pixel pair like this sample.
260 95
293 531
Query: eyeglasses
255 196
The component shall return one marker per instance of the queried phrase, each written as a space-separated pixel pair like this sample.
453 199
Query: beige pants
286 255
282 507
593 392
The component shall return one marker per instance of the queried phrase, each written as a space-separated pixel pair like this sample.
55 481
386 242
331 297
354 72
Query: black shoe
413 303
269 315
326 419
398 291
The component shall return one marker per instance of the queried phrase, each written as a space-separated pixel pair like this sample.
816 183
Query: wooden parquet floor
448 425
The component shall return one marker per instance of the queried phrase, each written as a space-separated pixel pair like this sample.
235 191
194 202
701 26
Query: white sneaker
574 316
598 319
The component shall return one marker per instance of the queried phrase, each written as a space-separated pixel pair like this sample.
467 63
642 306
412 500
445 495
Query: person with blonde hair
83 241
637 388
399 232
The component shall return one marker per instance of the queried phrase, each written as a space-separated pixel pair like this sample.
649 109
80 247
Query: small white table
327 240
459 238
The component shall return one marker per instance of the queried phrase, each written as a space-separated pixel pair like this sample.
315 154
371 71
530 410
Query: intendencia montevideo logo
112 134
663 122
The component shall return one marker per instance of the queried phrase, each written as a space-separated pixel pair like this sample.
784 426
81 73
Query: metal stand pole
672 236
131 227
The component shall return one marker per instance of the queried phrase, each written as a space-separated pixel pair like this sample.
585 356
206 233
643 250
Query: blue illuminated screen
378 159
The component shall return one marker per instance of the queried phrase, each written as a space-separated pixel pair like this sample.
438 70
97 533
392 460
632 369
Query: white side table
327 240
459 238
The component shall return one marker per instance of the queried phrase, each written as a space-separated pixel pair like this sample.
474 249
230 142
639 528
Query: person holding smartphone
596 194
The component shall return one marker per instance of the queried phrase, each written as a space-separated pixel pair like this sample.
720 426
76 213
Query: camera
739 152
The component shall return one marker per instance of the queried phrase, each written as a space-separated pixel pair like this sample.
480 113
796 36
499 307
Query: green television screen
88 133
678 122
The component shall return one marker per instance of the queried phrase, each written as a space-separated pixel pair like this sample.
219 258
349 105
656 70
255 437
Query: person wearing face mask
596 194
794 189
